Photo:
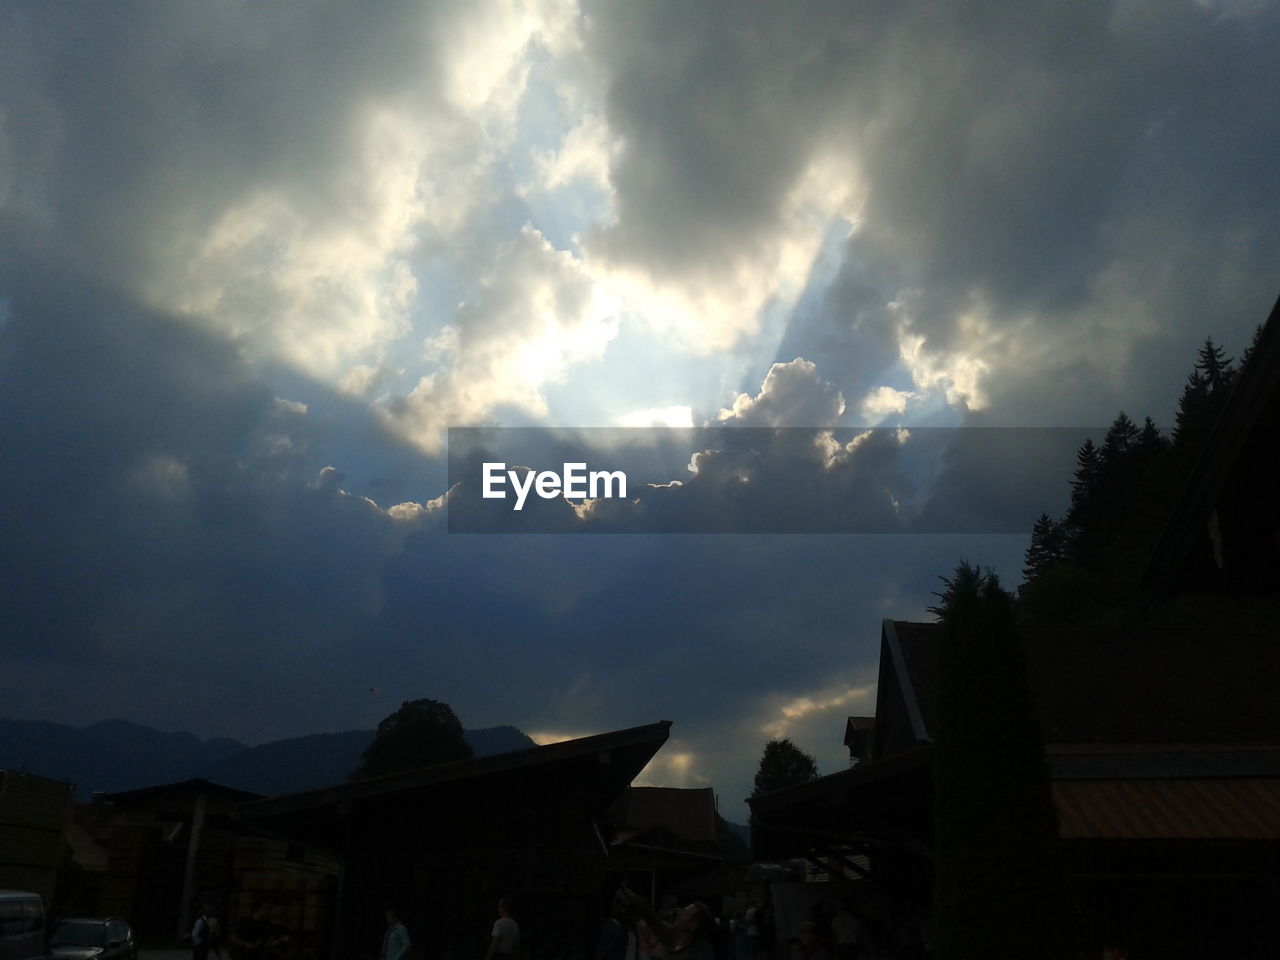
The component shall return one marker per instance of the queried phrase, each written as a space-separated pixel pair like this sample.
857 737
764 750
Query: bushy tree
421 733
783 764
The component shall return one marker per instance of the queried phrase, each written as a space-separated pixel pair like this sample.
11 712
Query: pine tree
1047 549
1082 523
1251 348
1203 398
1000 889
1151 440
1088 472
1120 439
1214 364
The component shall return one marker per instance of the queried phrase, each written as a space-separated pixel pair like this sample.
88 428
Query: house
444 843
664 840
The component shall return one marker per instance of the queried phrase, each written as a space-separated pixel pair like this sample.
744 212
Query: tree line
1122 493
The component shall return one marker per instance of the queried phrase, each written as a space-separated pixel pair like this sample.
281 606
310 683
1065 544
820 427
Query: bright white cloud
818 708
882 401
675 416
792 395
536 313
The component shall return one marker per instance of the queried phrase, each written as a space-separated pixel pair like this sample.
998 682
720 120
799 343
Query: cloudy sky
257 259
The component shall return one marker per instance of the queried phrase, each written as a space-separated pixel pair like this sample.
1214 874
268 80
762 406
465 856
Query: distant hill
117 755
323 759
111 755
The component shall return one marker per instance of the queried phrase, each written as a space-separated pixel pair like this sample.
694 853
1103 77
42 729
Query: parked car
21 925
84 938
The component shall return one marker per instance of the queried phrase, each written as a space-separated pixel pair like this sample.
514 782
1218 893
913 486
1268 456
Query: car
21 925
92 938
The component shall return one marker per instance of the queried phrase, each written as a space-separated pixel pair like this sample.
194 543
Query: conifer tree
1214 364
1087 474
1121 438
1202 398
1151 440
1001 892
1047 549
1252 347
1083 517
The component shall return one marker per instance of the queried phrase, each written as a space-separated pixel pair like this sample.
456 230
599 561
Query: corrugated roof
1213 809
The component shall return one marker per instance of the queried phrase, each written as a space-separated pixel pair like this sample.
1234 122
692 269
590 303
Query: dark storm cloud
1061 188
123 112
181 554
1053 205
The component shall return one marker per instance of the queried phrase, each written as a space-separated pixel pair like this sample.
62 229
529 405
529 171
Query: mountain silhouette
115 755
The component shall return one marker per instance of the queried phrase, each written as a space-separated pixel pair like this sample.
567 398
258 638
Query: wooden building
444 843
168 846
663 840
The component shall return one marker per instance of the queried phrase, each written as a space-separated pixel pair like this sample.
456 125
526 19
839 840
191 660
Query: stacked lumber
34 812
298 885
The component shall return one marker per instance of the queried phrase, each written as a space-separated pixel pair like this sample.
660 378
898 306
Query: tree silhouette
1121 494
1048 547
783 764
1000 888
421 733
1202 398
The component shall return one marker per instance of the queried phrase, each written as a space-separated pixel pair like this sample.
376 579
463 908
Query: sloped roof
604 764
193 786
918 667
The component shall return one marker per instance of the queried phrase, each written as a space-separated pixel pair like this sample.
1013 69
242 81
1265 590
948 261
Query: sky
257 259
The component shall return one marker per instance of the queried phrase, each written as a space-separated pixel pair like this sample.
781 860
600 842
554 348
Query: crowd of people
832 931
633 930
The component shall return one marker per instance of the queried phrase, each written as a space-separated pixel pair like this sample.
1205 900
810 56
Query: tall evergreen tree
1001 892
1121 438
1047 549
1084 518
1086 477
1150 440
1202 398
1214 365
1252 347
